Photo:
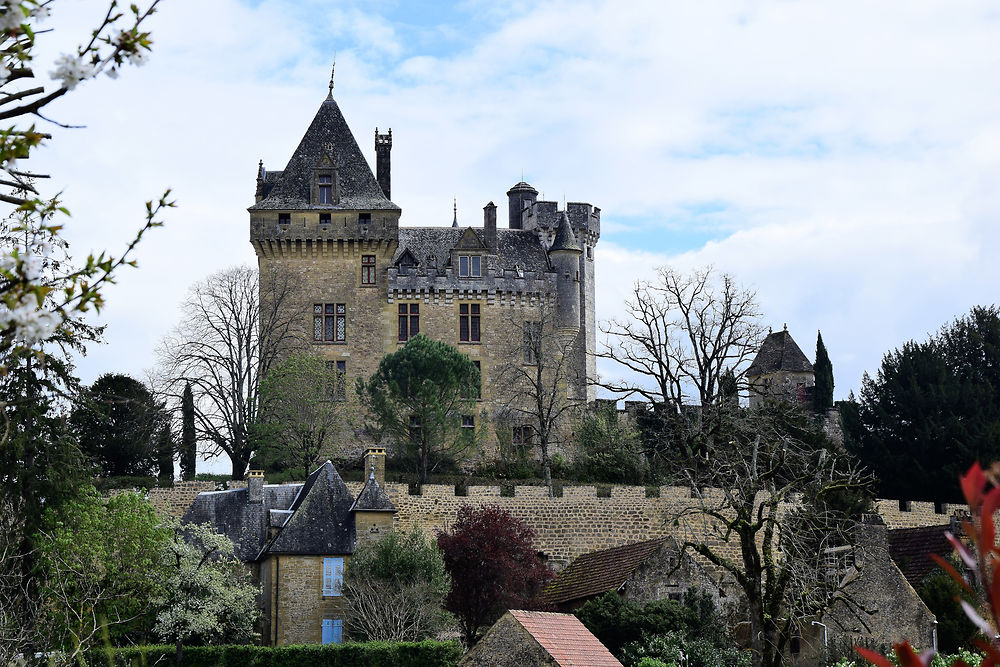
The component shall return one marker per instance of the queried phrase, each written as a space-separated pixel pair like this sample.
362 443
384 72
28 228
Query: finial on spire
332 71
786 326
454 207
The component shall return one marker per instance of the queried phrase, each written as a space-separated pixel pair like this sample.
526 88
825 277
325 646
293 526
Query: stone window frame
333 576
523 438
470 266
408 321
470 323
324 189
329 323
368 276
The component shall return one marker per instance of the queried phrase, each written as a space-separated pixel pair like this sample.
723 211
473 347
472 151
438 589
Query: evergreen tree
823 391
188 440
165 452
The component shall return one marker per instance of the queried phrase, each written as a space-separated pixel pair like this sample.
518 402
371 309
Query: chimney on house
375 462
490 226
255 486
383 145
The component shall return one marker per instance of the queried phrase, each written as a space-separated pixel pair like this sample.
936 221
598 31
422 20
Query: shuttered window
333 631
333 576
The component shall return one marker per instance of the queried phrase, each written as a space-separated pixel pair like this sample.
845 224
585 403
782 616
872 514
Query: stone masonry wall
565 527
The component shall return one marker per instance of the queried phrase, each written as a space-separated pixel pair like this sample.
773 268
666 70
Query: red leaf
973 483
908 657
873 657
988 530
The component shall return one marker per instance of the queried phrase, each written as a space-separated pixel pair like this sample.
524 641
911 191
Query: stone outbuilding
296 540
641 572
539 638
780 371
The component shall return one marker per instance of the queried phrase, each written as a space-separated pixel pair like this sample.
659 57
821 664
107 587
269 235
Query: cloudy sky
843 158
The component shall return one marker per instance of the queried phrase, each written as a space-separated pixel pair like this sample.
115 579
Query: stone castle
369 284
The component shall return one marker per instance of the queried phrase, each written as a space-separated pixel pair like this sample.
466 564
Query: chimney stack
255 487
490 226
383 144
375 462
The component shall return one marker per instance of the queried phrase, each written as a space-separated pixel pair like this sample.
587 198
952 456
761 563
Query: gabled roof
327 141
229 513
565 238
566 639
373 498
600 571
515 247
910 548
470 241
779 352
321 522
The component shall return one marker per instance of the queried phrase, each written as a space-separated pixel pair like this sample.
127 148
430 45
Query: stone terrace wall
567 526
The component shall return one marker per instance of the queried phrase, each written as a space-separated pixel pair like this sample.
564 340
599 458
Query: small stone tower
564 254
519 198
780 371
383 145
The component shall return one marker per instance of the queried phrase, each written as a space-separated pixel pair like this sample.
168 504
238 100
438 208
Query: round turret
564 255
519 197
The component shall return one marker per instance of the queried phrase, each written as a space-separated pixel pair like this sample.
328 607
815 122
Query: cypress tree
188 443
823 391
165 453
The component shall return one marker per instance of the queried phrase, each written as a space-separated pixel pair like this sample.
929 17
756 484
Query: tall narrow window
479 387
409 320
333 631
337 387
317 321
367 269
333 576
341 333
325 189
532 340
523 438
330 322
468 322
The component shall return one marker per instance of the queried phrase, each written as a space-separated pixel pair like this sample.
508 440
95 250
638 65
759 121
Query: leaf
974 616
973 483
960 549
952 572
873 657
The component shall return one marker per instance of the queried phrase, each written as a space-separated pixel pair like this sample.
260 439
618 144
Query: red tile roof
910 547
566 639
600 571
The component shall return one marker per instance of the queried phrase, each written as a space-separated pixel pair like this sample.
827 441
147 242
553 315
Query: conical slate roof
373 498
327 142
779 352
321 522
565 239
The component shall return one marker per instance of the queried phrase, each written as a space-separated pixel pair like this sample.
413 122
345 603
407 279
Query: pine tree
188 442
823 392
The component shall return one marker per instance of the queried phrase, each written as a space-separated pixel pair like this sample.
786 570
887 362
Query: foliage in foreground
395 587
427 653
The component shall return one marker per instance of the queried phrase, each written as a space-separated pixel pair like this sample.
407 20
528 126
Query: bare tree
780 517
682 334
537 383
235 326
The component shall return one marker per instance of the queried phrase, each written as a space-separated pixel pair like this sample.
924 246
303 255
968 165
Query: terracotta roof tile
566 639
600 571
910 548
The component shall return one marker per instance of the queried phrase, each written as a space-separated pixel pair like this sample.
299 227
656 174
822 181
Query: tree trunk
180 652
546 465
239 467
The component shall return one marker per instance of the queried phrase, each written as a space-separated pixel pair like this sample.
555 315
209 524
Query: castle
370 284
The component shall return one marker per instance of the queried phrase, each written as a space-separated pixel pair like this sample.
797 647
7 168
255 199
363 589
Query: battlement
322 225
543 218
383 139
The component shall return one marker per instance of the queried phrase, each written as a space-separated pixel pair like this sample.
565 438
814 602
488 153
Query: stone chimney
255 487
490 226
383 145
375 460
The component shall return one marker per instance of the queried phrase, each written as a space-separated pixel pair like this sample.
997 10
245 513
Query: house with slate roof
296 540
780 371
370 279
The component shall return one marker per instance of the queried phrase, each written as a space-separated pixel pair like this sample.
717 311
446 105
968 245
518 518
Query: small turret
519 197
261 176
564 255
383 145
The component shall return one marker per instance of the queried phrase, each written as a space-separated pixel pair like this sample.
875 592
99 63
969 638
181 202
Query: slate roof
373 498
565 239
356 185
779 352
600 571
515 247
566 639
322 522
910 549
228 513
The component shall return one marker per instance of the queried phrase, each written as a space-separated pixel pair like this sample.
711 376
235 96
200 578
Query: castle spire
454 207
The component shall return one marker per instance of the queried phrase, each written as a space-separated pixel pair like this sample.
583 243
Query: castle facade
368 284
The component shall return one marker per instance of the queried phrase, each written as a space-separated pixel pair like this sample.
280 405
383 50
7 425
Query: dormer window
470 266
325 182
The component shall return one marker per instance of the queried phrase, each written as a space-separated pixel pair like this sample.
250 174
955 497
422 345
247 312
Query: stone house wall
297 600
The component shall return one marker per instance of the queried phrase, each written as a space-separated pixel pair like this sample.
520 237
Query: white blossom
139 57
31 323
40 13
71 70
11 16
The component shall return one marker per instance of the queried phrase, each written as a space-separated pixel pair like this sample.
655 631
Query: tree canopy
932 410
423 396
493 567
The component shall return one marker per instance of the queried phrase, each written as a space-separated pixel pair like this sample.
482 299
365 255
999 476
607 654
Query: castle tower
780 371
383 145
564 254
519 198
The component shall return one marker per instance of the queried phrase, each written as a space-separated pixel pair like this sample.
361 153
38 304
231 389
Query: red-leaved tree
981 555
493 567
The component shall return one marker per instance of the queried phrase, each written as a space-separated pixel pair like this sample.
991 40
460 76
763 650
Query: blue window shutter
338 631
327 577
333 576
328 631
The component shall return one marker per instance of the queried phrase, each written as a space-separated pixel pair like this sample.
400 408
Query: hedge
369 654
